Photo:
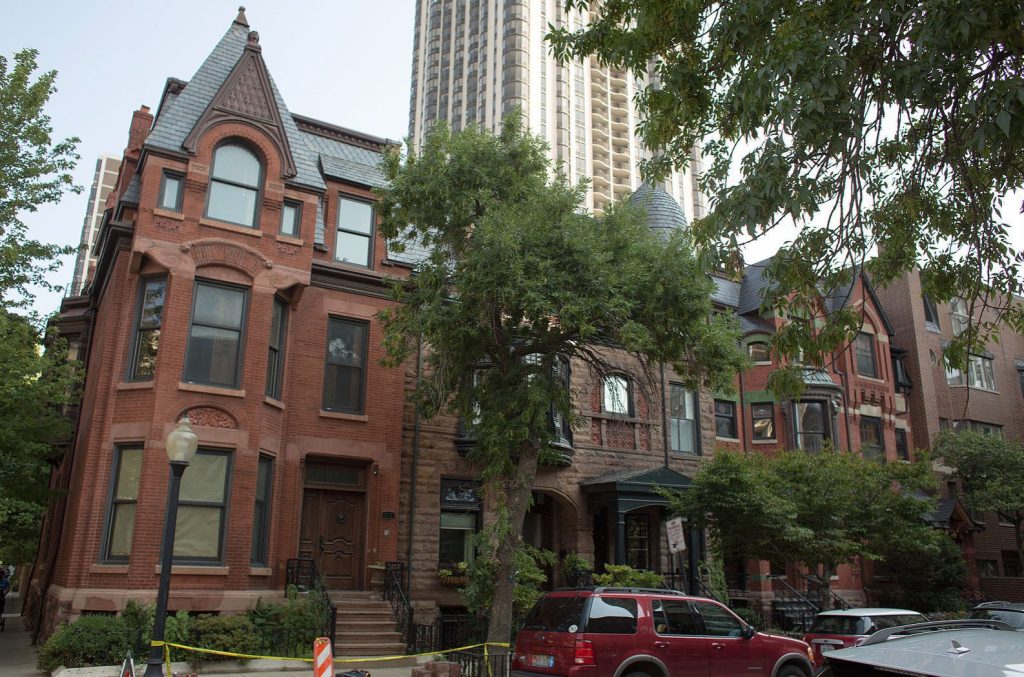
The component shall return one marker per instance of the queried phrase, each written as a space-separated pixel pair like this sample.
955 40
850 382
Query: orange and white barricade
323 657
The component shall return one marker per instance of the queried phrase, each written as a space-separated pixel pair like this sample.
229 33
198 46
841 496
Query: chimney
142 122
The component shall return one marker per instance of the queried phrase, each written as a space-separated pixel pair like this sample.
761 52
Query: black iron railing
303 575
394 593
475 663
818 593
792 611
973 596
580 579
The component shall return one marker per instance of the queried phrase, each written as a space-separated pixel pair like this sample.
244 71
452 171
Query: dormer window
234 186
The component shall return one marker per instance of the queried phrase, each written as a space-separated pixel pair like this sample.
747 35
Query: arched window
758 351
234 186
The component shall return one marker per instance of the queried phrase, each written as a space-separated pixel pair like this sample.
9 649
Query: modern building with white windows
476 60
102 183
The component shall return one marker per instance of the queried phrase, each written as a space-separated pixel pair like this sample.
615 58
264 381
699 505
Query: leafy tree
821 510
33 171
887 123
927 576
33 384
517 279
991 470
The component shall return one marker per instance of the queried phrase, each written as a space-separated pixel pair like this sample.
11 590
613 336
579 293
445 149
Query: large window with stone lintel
124 496
214 352
149 314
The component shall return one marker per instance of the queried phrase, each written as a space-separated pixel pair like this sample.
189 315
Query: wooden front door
333 534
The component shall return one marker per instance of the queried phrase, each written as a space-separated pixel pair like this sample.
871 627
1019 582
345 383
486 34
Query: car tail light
583 653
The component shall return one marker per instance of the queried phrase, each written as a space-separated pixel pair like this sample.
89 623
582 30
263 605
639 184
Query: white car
967 648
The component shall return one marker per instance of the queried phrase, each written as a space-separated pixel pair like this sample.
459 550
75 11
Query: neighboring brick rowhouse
923 328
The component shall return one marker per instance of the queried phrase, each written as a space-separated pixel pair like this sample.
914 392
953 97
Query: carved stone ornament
211 418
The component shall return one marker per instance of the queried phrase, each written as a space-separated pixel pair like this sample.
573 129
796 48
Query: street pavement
17 655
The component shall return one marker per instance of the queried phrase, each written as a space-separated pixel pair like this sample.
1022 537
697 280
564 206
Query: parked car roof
867 611
969 648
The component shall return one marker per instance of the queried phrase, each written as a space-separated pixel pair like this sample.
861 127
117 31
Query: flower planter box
453 581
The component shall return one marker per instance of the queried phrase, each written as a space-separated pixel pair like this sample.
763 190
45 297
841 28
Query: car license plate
542 661
824 648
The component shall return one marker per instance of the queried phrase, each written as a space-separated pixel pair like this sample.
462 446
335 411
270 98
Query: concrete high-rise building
102 183
476 60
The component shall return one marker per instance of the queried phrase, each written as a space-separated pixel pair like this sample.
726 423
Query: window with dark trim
812 425
867 365
872 440
616 395
758 351
762 416
460 520
214 352
931 312
354 240
959 315
725 419
559 423
682 420
261 511
124 496
275 348
149 312
202 508
235 180
638 540
171 193
346 365
291 218
902 449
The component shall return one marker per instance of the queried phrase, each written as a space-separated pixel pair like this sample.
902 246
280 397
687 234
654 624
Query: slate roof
131 191
664 214
819 378
754 286
726 292
183 112
661 476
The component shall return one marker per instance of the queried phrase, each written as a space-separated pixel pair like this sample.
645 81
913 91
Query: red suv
638 632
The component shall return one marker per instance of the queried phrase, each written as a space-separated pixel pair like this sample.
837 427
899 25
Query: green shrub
625 576
138 618
220 633
89 641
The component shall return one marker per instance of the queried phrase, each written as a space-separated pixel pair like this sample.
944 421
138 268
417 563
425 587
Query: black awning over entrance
631 489
616 494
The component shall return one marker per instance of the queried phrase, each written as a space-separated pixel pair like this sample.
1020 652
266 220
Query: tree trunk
825 583
517 500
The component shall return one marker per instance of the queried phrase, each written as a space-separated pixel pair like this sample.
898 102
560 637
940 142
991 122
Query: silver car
967 648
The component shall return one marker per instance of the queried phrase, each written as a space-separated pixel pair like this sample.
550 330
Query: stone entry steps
365 627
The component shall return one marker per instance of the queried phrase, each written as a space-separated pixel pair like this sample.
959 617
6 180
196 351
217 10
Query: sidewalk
17 655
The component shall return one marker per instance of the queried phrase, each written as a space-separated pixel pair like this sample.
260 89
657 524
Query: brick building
988 398
238 277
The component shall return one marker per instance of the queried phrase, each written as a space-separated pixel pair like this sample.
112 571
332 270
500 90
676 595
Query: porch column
620 534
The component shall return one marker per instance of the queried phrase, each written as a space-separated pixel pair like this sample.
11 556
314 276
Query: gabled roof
180 116
754 285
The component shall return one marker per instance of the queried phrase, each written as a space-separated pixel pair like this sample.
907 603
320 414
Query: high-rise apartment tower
476 60
102 183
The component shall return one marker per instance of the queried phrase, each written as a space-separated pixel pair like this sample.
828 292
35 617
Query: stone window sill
763 441
276 404
288 239
210 390
260 571
362 418
119 569
135 385
168 214
194 570
734 440
244 230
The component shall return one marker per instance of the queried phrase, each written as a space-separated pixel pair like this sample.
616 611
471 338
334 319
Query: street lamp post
181 447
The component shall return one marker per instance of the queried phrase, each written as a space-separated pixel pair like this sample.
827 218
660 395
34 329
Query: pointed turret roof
233 80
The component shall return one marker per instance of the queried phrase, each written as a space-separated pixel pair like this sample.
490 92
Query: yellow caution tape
167 653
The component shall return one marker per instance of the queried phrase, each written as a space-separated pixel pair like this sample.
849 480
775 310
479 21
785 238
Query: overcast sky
344 61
